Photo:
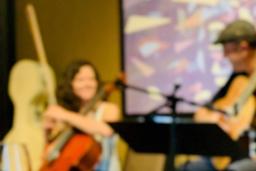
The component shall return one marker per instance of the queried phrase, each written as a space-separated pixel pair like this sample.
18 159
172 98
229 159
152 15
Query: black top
223 91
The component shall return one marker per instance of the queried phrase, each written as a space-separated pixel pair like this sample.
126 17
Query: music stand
191 138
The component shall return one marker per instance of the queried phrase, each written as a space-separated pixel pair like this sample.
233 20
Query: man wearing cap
239 47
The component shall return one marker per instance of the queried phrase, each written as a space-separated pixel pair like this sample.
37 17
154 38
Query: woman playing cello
80 84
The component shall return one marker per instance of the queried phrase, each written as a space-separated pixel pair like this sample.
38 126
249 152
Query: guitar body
234 126
81 152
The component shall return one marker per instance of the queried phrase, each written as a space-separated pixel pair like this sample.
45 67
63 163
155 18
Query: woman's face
84 83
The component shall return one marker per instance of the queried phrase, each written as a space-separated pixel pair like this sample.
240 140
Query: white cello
31 88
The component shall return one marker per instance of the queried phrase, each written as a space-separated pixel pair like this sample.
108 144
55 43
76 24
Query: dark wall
7 58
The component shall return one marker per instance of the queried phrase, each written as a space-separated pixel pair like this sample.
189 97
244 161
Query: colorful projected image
169 42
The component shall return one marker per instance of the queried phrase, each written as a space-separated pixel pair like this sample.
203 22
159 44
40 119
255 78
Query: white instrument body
28 94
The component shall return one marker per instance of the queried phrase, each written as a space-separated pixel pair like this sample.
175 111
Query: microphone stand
170 158
171 102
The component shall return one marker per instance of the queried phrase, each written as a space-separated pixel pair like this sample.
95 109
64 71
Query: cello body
81 152
27 92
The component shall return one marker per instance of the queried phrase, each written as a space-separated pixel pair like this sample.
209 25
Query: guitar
239 106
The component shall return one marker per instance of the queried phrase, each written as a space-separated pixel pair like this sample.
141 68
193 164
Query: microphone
110 86
118 83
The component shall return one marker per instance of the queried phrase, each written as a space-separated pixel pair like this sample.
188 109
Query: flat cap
236 31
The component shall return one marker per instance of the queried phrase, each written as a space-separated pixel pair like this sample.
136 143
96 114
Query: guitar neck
245 95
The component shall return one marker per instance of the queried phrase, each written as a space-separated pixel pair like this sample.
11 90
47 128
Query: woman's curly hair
65 94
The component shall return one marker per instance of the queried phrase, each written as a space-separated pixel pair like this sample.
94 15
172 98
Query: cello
28 98
27 90
71 149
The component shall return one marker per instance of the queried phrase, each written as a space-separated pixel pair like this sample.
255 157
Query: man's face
236 52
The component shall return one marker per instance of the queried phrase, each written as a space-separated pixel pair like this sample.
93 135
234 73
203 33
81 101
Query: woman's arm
86 123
